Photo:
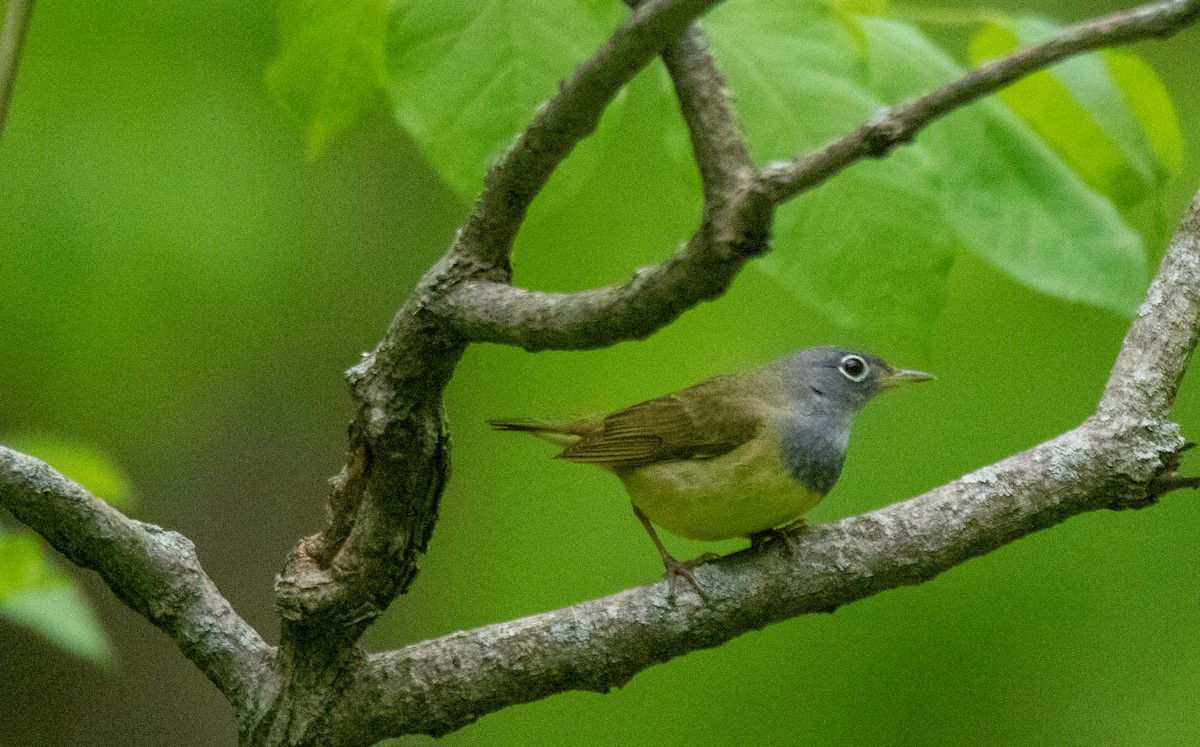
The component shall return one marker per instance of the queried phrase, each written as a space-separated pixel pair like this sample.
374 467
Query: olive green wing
701 422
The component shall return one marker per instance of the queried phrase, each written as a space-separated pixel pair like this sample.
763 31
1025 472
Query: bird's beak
902 376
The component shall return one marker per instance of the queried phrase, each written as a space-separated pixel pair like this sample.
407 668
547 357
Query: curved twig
898 125
567 118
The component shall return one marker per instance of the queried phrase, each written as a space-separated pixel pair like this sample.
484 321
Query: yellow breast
734 495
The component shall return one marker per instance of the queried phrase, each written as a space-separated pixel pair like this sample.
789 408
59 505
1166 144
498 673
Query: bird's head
846 378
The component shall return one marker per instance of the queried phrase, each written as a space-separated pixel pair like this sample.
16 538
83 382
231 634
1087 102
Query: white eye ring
853 367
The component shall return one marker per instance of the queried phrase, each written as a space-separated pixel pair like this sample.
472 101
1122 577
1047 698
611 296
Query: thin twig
900 124
12 39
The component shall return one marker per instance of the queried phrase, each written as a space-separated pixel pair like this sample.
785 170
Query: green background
181 288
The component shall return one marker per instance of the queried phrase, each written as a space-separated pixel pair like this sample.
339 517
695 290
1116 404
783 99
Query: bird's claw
790 534
677 570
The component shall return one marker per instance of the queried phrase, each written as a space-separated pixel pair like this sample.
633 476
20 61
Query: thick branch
1160 342
1124 457
498 312
154 571
12 38
441 685
384 502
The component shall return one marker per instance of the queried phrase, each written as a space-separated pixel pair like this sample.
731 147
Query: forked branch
1124 457
484 311
317 687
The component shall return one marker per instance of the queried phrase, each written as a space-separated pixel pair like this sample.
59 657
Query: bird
737 455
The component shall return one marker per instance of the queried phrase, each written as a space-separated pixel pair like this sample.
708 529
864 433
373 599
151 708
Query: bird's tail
562 432
520 424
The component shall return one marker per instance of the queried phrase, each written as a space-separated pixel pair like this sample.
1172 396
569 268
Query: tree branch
735 227
12 38
1123 458
567 118
720 150
153 571
1160 343
898 125
491 310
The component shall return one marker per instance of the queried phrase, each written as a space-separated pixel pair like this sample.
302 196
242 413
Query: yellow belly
733 495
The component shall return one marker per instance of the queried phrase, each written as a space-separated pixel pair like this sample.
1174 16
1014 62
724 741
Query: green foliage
1106 115
330 66
466 77
1031 184
1006 196
1036 194
34 593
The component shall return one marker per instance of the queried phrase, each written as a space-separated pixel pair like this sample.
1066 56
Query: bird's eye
854 368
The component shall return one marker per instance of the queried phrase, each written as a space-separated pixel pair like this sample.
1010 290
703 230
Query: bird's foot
679 571
790 534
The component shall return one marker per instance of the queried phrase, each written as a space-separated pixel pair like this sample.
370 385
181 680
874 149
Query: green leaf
875 250
845 270
1107 115
1150 105
860 7
466 78
39 596
1010 198
330 67
84 464
870 248
873 246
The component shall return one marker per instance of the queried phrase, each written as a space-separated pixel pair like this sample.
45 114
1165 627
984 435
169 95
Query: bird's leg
675 569
789 533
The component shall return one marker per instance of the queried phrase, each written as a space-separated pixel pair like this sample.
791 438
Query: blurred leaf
465 78
869 248
981 179
861 7
1107 115
979 176
1147 99
847 271
330 66
39 596
84 464
1009 198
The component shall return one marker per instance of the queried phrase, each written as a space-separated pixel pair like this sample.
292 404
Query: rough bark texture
319 688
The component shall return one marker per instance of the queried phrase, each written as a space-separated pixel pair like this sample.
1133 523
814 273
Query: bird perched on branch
733 456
